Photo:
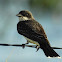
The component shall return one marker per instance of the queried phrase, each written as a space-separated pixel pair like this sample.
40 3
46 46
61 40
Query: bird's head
24 15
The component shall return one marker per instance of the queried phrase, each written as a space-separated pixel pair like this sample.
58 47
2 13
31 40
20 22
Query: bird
34 33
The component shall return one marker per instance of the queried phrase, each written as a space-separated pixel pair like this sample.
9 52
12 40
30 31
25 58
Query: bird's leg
23 45
27 42
37 47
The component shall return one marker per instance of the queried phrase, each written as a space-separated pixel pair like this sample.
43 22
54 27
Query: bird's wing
37 28
31 30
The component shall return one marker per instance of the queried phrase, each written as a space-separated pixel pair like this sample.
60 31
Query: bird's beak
19 15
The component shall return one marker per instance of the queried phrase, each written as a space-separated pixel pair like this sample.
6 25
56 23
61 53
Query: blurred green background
47 12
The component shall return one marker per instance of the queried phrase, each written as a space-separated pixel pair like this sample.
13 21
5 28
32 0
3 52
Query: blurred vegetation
45 4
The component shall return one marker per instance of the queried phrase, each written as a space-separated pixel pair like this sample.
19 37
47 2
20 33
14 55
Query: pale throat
23 18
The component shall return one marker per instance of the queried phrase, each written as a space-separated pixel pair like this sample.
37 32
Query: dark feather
34 31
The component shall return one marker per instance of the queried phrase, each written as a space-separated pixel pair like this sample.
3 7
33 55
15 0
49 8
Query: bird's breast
31 41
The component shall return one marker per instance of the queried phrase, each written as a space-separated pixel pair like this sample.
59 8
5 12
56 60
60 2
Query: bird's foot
37 47
23 46
27 42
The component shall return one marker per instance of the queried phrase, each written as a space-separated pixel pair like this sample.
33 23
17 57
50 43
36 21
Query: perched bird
34 33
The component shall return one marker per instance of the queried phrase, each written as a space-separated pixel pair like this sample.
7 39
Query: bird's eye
27 14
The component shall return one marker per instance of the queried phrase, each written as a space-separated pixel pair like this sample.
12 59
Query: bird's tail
49 52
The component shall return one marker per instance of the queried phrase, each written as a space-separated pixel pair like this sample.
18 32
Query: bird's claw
23 46
37 47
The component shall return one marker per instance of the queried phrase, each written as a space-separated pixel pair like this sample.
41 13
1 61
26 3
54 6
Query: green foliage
44 3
